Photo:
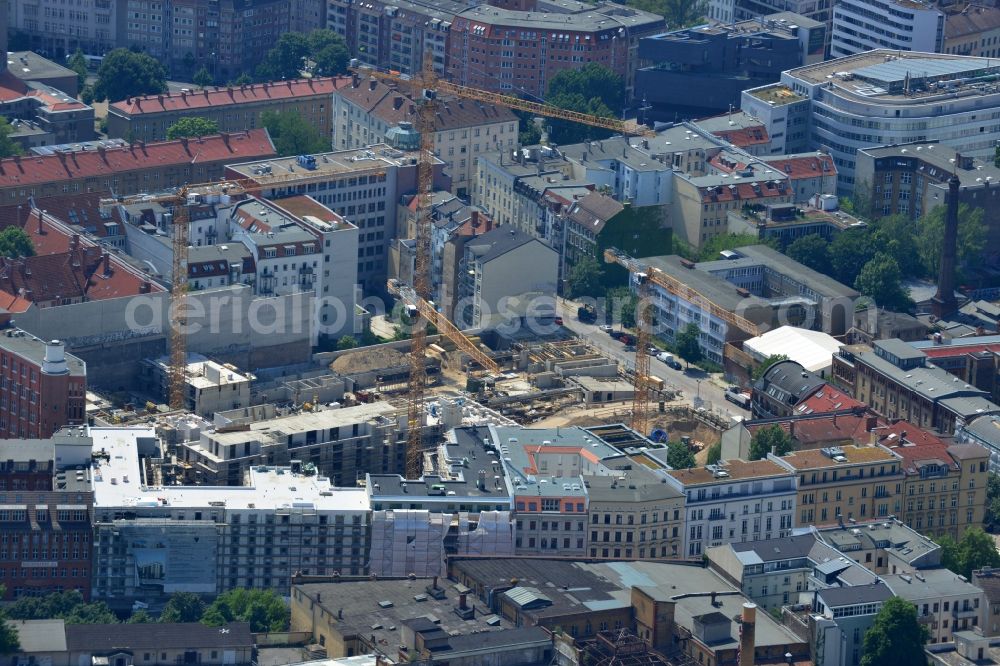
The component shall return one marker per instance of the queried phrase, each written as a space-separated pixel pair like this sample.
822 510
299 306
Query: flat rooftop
118 482
855 455
891 535
940 157
32 349
329 164
778 94
585 18
736 470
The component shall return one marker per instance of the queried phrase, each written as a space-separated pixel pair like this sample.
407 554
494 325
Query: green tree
529 133
79 65
895 638
861 202
14 242
285 60
621 303
183 607
930 237
759 371
996 157
584 278
96 612
678 13
243 79
812 251
8 146
679 456
592 89
87 97
328 51
192 126
881 280
140 616
347 342
188 62
770 439
895 235
124 73
714 454
203 78
9 640
975 550
265 610
68 606
713 246
688 344
992 519
292 135
849 252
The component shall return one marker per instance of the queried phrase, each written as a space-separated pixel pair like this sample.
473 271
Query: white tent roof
814 350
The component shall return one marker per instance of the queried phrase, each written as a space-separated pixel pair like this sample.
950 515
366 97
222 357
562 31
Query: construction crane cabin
417 298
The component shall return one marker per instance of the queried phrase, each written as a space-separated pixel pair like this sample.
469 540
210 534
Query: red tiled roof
956 348
201 99
823 430
804 166
828 399
744 191
38 169
914 445
745 136
479 223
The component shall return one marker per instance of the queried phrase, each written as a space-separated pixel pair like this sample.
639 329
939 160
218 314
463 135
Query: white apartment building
900 25
152 540
734 501
884 97
60 28
946 602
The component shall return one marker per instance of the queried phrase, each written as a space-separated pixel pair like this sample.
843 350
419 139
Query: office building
715 62
911 179
896 382
519 49
735 501
944 486
506 273
974 360
897 25
880 97
233 108
766 289
845 484
43 387
362 186
370 112
152 540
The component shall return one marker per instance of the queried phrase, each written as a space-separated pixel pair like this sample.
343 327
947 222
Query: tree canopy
621 300
9 640
584 278
78 64
183 607
592 89
8 146
812 251
711 248
192 126
347 342
930 237
849 252
881 280
327 50
68 606
292 135
714 454
688 345
770 439
975 550
895 638
125 73
203 78
759 371
14 242
992 519
679 456
265 610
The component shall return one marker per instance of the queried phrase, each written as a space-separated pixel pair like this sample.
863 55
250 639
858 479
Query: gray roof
904 351
527 597
37 67
40 635
892 536
896 71
929 584
715 288
940 156
579 18
497 242
774 550
789 383
642 486
156 636
931 382
985 428
835 597
768 256
27 346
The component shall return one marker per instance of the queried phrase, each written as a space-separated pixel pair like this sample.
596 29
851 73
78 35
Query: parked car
558 321
608 328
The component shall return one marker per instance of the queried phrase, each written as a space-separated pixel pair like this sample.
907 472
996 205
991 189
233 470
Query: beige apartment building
843 484
944 487
634 517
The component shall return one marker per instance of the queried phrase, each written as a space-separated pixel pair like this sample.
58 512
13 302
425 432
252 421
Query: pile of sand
367 360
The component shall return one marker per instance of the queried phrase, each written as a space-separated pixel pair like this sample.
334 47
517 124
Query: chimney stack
943 303
748 629
107 264
54 362
74 242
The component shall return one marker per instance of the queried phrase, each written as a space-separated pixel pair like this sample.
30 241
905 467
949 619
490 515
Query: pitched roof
392 105
805 165
973 20
828 399
38 169
498 242
218 96
104 637
915 446
594 211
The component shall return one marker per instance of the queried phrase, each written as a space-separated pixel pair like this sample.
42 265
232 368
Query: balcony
959 613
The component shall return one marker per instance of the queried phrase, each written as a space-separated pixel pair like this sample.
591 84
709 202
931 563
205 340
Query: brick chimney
943 303
145 287
107 264
397 102
74 242
372 84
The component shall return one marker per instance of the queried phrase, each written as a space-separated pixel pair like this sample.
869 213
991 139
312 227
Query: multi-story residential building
45 529
782 388
894 380
151 540
845 484
342 443
946 602
234 108
765 287
883 546
362 186
841 618
898 25
973 30
56 30
397 35
370 112
519 50
880 97
634 515
944 487
735 501
131 169
506 274
974 360
987 579
911 179
715 62
210 387
42 387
